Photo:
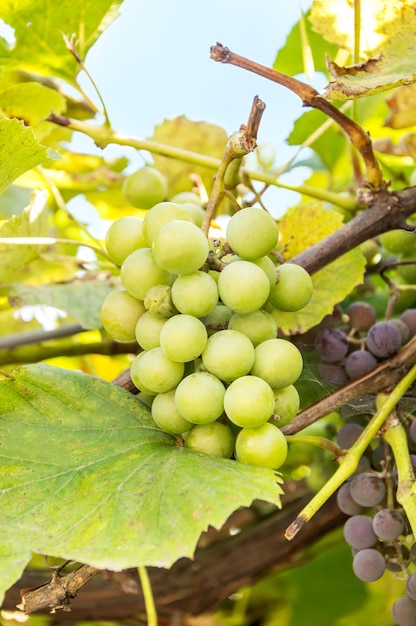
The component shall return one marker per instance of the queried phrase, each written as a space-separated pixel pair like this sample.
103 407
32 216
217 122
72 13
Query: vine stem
396 437
104 136
149 600
349 462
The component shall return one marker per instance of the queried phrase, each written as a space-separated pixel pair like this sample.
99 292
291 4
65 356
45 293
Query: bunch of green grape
211 364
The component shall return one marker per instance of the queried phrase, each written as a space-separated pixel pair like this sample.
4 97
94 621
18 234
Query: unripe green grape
286 405
258 326
243 286
215 439
228 355
195 294
180 247
249 401
195 212
166 415
187 196
183 338
139 272
160 215
145 187
264 446
278 361
218 318
252 233
119 314
135 377
158 301
199 398
399 242
123 237
148 329
268 268
156 371
293 290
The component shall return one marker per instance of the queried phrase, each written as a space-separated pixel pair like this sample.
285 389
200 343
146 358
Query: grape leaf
199 137
31 102
31 223
300 228
38 28
20 151
387 45
86 475
289 59
81 300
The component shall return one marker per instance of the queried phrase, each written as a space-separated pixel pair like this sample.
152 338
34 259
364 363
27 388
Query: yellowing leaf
300 228
386 44
31 102
201 137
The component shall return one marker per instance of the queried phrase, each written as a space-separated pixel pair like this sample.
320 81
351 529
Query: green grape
199 398
399 242
135 377
155 371
252 233
195 211
183 338
160 215
258 326
124 236
186 196
286 405
278 361
293 289
166 415
228 355
268 268
180 247
148 329
158 301
195 294
119 314
249 401
145 187
215 439
264 446
243 286
218 318
139 272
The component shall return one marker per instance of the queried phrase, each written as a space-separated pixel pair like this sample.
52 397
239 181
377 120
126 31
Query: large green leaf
300 228
86 475
39 25
81 300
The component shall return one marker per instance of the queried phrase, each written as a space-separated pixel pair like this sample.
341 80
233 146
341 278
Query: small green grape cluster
212 365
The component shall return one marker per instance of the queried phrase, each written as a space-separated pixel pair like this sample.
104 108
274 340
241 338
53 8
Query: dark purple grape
384 339
367 489
409 318
403 611
348 434
362 316
411 587
345 503
332 374
404 330
368 565
388 524
359 362
359 533
331 345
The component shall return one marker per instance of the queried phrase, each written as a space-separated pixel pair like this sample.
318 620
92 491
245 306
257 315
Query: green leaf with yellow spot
301 228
